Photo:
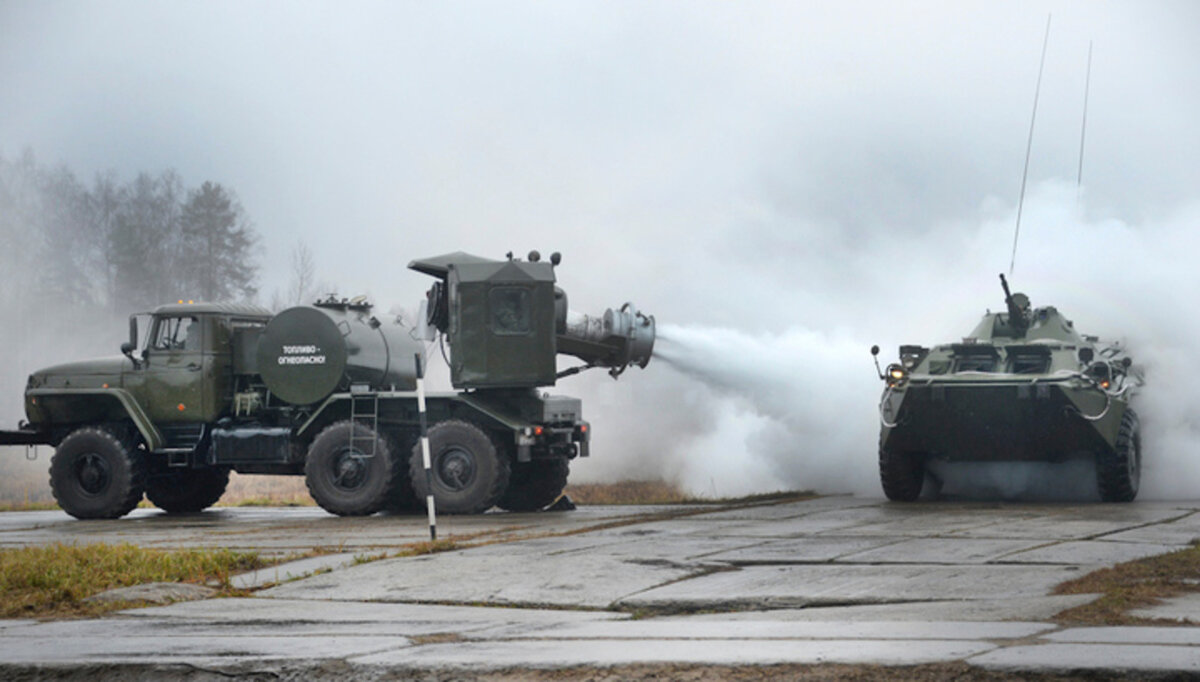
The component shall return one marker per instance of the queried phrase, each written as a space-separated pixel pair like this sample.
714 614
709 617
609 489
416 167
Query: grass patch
419 548
626 492
269 501
55 579
1132 585
415 549
660 492
27 506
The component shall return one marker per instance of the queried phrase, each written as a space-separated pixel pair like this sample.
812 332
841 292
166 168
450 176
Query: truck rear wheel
187 491
350 469
401 499
902 475
535 484
1119 471
94 474
470 470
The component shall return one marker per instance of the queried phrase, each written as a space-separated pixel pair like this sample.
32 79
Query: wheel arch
93 406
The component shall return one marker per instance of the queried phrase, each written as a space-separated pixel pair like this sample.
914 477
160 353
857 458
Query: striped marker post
425 450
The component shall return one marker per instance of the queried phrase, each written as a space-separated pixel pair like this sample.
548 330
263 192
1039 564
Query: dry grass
54 580
266 491
25 484
1132 585
27 506
660 492
626 492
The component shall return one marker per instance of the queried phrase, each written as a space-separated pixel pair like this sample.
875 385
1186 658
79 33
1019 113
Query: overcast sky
751 165
653 137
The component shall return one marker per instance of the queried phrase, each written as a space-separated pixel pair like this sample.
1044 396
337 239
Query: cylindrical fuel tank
308 352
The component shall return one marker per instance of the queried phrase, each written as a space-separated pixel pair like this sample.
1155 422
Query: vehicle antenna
1029 147
1087 83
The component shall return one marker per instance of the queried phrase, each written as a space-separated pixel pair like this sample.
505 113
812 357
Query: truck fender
315 417
509 420
131 408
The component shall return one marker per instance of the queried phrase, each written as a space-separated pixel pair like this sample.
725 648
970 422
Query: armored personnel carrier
1023 386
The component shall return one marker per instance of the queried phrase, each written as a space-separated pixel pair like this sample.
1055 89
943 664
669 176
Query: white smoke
738 410
801 385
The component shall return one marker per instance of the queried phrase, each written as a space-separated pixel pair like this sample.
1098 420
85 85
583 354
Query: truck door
174 374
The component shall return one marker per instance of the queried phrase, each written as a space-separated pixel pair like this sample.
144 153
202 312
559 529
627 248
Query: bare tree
302 287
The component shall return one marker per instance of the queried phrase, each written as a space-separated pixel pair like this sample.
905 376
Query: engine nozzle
616 339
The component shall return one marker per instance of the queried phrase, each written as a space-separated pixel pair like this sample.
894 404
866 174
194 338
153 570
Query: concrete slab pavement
966 610
828 580
482 656
515 578
759 587
1184 608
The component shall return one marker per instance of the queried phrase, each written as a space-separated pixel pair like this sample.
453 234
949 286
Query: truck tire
533 485
902 475
402 499
187 491
95 474
1119 471
343 476
470 469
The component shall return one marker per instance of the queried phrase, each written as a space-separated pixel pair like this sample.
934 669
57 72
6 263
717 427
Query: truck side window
510 310
177 333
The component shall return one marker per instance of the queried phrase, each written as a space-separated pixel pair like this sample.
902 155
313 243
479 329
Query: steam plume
796 409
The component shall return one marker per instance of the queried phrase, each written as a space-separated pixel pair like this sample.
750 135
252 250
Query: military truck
327 391
1023 386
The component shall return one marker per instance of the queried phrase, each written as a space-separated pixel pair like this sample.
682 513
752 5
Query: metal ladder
364 409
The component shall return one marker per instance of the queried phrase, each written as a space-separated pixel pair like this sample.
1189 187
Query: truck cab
170 382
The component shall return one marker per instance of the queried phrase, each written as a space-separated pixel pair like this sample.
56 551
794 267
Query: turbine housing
506 321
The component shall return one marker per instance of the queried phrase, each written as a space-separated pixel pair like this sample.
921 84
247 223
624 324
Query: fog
798 408
780 184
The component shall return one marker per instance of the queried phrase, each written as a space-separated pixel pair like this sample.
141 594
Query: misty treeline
120 246
76 258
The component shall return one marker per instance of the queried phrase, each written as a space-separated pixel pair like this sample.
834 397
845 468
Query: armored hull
1024 386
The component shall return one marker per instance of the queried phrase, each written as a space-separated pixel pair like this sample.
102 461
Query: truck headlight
896 375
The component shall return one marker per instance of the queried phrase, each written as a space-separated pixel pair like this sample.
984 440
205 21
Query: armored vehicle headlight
896 374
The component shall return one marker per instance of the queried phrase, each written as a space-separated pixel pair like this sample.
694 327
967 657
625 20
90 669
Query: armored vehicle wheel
470 470
342 473
534 485
185 491
1119 471
95 474
901 474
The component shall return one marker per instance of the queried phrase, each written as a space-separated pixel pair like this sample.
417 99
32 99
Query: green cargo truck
328 391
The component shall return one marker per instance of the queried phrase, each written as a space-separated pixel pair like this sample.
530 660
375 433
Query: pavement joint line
1141 525
703 572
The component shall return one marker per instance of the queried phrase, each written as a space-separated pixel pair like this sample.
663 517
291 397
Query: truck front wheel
95 474
350 469
469 469
535 484
182 492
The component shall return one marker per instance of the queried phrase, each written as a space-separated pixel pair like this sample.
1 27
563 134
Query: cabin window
510 310
939 366
177 333
1028 364
975 363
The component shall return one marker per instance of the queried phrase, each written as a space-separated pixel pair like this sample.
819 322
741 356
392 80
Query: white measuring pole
425 450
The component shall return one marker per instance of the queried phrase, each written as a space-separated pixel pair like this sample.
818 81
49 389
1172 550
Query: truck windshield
177 333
